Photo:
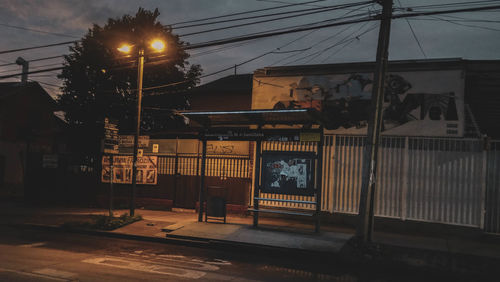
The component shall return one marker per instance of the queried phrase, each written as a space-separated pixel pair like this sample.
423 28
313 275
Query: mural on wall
427 103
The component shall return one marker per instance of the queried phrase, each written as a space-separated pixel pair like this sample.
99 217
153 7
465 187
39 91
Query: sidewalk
276 234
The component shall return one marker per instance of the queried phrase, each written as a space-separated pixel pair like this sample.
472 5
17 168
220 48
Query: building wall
417 103
27 126
13 156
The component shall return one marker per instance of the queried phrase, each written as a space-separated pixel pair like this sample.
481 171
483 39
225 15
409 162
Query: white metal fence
425 179
492 218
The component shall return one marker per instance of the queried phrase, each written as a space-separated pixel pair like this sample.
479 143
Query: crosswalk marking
146 267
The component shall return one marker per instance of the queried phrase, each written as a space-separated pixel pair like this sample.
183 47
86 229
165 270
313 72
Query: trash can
216 203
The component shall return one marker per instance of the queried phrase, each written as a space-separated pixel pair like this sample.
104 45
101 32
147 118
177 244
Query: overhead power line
38 47
288 31
319 10
35 60
30 72
337 7
414 34
245 12
245 38
38 30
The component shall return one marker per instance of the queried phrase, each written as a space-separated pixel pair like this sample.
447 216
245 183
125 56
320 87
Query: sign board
156 147
228 148
110 137
50 161
416 103
290 173
310 137
147 172
266 135
128 141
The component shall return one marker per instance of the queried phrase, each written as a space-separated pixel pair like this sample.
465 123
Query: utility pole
366 202
140 70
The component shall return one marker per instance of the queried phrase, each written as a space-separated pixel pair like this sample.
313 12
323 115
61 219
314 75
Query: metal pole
111 185
140 68
319 180
256 189
366 202
201 196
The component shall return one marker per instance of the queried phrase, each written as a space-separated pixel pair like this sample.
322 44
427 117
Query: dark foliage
100 82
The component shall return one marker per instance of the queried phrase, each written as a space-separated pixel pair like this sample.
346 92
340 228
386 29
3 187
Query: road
40 255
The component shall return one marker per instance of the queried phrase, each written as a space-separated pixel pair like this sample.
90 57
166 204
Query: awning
253 117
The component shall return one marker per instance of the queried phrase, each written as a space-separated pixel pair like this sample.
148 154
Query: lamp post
159 46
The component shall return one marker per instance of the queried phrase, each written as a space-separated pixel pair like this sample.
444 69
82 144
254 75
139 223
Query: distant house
28 131
232 92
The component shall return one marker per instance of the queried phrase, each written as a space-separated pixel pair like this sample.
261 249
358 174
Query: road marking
56 273
33 245
32 274
172 256
144 267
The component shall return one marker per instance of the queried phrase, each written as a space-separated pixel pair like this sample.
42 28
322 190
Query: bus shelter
280 174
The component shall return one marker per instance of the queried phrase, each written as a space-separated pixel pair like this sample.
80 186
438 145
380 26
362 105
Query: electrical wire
35 60
414 35
38 47
319 10
245 12
269 20
37 30
462 24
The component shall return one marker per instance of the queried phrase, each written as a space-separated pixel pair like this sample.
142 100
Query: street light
159 46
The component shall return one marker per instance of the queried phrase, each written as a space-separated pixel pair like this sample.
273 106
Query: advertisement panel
290 173
147 172
416 103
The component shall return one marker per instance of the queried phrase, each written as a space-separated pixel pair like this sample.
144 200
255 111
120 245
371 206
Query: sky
472 35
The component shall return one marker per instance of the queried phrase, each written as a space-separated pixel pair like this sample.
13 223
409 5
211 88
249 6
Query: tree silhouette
99 81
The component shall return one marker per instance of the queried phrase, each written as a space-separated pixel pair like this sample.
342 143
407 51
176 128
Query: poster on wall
288 173
147 172
417 103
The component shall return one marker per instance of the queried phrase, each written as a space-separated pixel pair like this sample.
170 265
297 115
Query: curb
186 241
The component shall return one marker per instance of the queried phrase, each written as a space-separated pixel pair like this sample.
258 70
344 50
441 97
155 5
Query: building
31 136
435 164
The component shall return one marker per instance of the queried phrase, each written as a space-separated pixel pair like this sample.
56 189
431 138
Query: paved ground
40 255
447 252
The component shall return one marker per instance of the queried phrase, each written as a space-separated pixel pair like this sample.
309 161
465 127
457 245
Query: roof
227 93
10 89
396 65
253 117
240 83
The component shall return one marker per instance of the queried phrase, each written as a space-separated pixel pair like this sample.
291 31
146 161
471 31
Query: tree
99 81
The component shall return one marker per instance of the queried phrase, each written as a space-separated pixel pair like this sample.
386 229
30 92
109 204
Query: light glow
158 45
125 48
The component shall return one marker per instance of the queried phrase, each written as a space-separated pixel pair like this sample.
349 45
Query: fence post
485 148
404 188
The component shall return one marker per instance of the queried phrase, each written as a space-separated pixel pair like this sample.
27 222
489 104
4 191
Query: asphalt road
40 255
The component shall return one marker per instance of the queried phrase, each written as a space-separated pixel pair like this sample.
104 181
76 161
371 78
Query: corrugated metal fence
492 221
425 179
442 180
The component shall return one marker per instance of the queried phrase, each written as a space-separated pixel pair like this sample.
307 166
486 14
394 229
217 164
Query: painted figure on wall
345 102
